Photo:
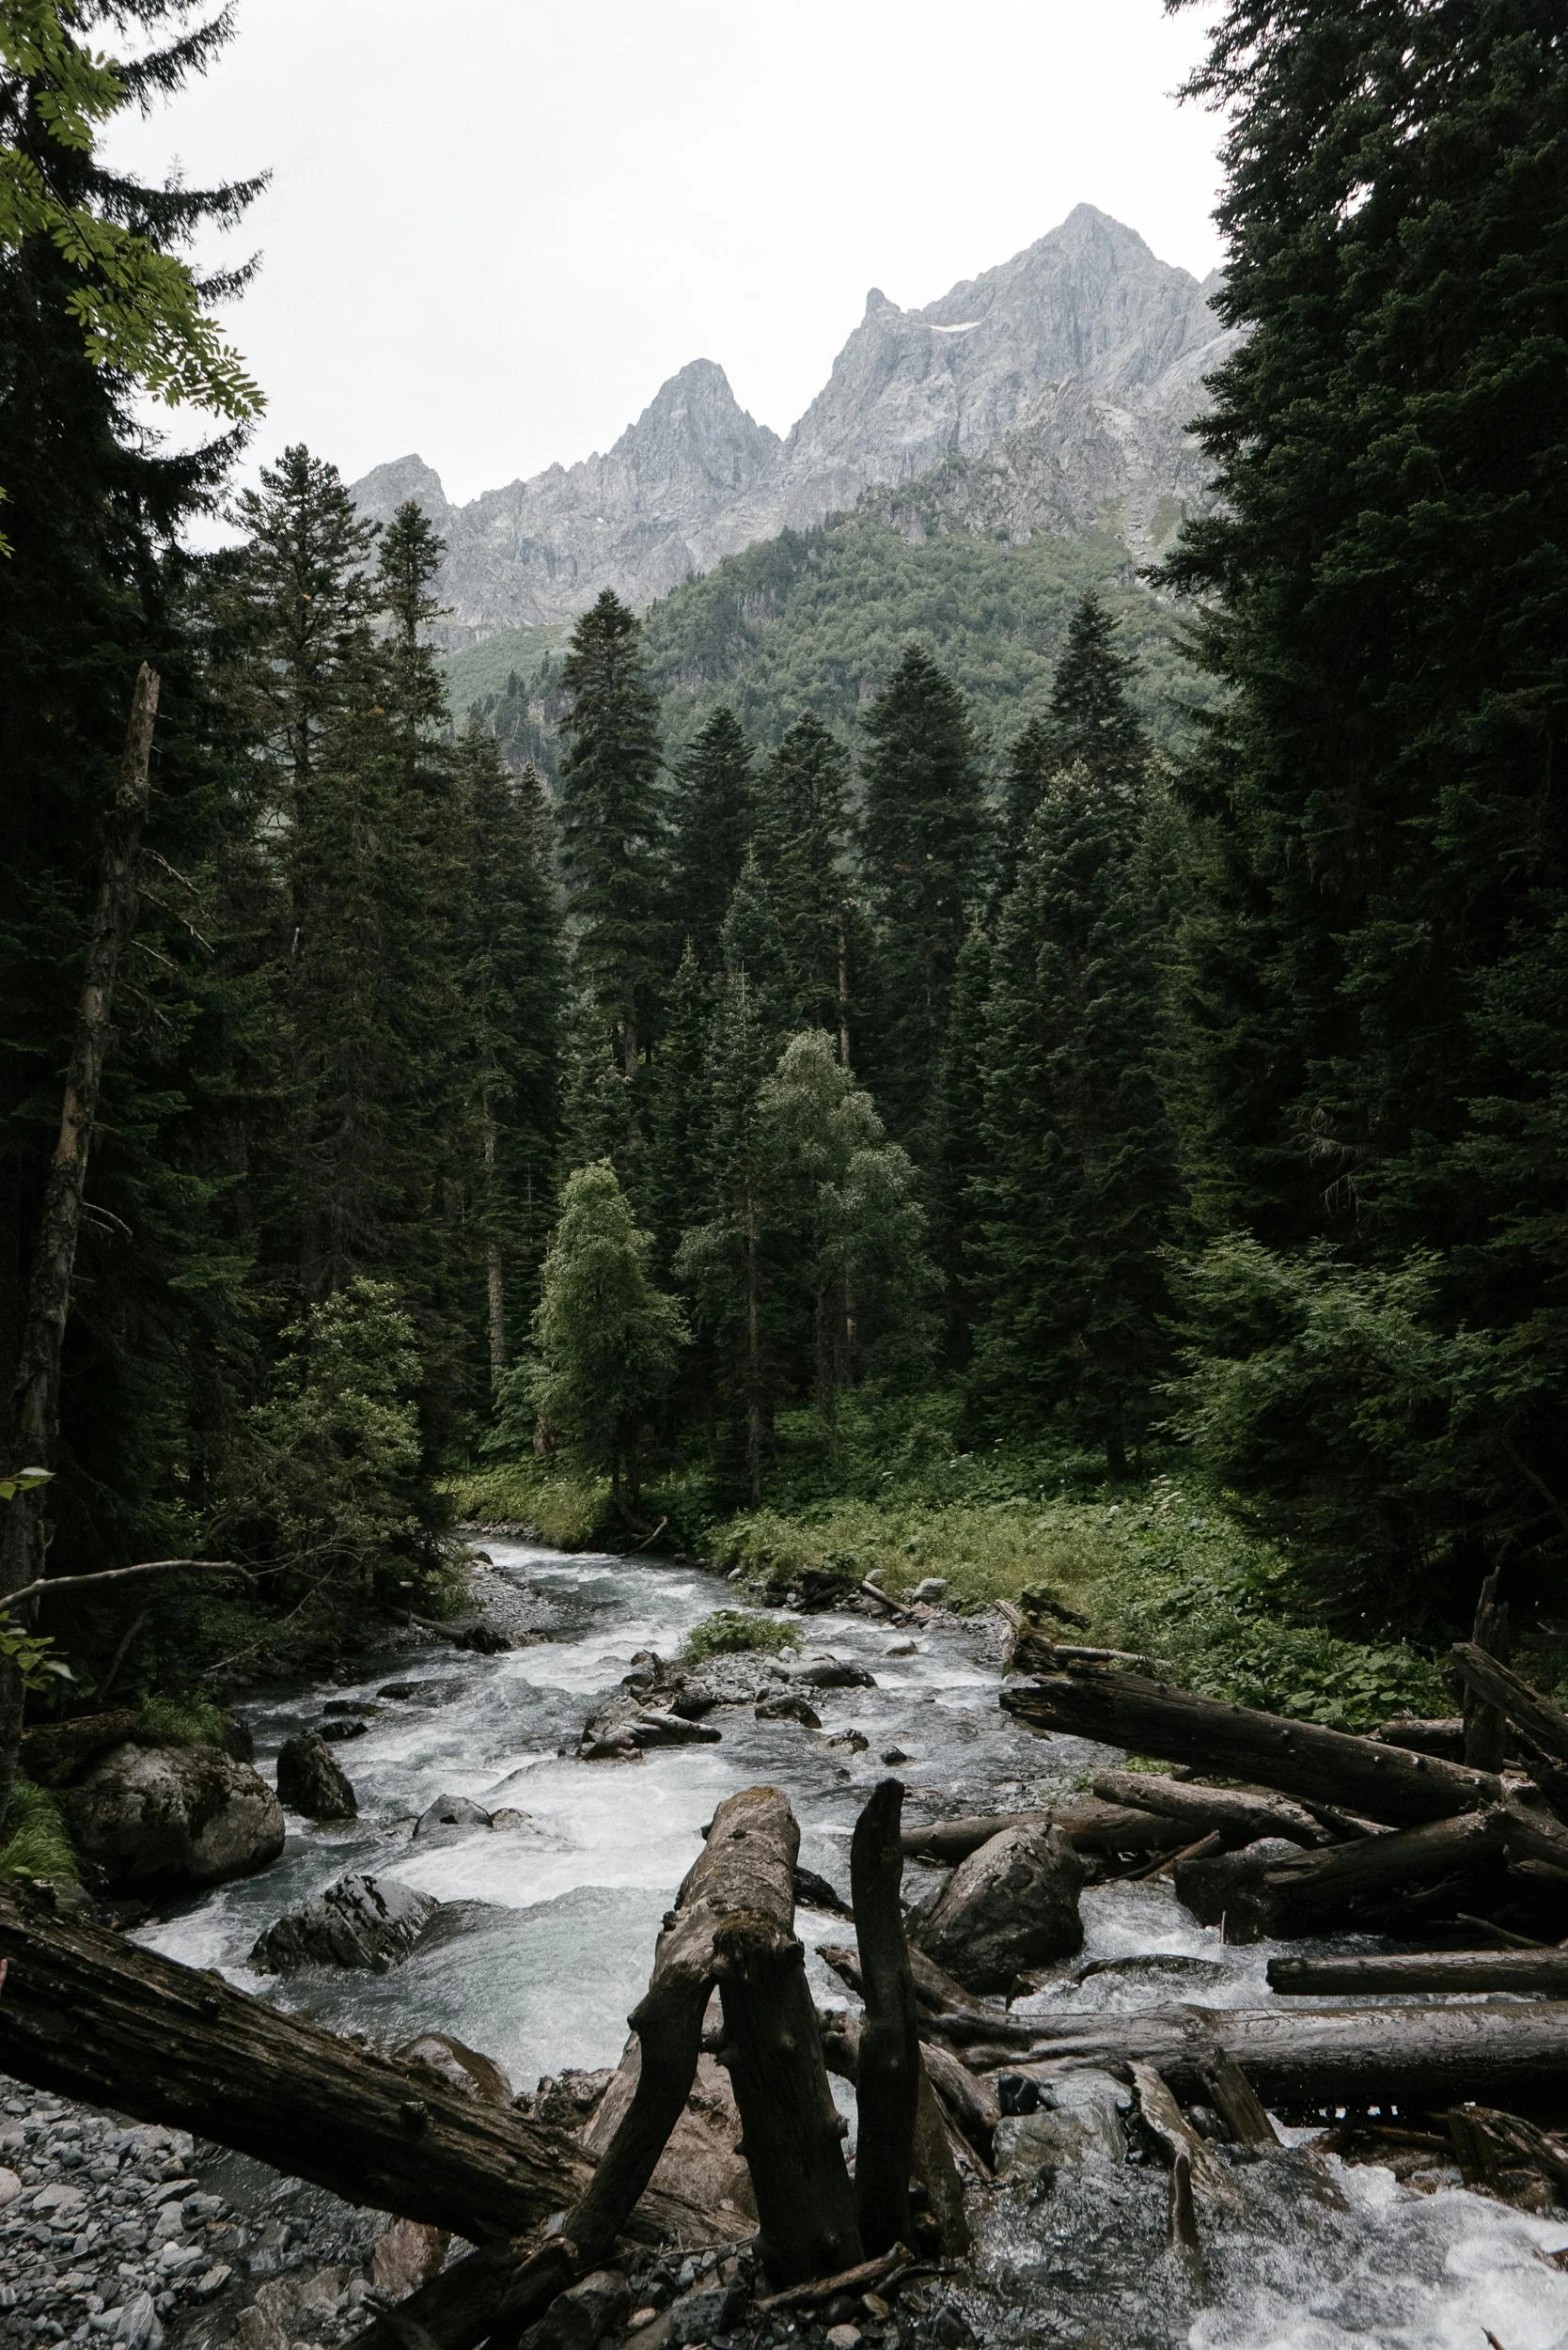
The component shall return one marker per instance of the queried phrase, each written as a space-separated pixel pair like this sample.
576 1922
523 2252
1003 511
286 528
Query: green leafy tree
1075 1200
1386 604
612 824
606 1340
924 843
711 815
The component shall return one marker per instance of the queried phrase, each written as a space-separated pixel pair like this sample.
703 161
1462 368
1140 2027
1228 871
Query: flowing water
547 1938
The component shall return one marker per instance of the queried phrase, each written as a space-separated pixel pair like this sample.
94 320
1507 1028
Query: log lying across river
89 2015
1540 1971
1360 1775
1429 2057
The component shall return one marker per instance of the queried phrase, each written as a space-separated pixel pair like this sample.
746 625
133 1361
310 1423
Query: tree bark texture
1544 1724
34 1435
89 2015
794 2134
1088 1827
889 2083
1386 1783
1486 1727
1409 2056
1403 1972
1240 1814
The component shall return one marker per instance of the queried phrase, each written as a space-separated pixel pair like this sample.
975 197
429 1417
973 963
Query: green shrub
38 1845
729 1631
183 1721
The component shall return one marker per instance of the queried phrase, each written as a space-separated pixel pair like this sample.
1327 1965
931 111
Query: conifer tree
512 985
925 846
754 944
1092 724
606 1340
803 844
959 1149
1075 1200
711 816
679 1108
612 825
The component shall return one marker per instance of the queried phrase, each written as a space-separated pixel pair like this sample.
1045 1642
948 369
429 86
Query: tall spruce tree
512 986
1092 724
1386 600
959 1147
1075 1200
612 826
711 818
925 842
803 845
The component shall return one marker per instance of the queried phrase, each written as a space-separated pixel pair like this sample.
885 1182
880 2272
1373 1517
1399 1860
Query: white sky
496 226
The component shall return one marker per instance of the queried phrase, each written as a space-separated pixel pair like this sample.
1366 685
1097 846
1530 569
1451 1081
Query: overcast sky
496 226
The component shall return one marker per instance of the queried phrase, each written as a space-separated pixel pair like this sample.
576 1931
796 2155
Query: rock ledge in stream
358 1922
310 1780
169 1819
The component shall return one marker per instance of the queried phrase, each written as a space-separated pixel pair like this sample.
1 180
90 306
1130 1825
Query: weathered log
746 1866
1241 1814
889 2084
968 2097
1238 2104
1494 2149
1486 1726
1289 1894
935 2186
92 2016
1515 2056
793 2143
1299 1758
935 1989
1193 2167
1443 1735
1088 1827
1544 1724
1402 1972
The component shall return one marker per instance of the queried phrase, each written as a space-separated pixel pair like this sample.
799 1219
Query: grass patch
38 1845
183 1721
729 1631
567 1510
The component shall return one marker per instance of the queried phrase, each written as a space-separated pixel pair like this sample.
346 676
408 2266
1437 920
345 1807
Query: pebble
843 2337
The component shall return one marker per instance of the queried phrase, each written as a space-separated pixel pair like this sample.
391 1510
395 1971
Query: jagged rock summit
1029 398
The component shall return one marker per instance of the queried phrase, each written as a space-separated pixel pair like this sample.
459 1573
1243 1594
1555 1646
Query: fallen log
1544 1724
1402 1972
91 2016
1345 2056
889 2071
1238 2104
1499 2151
1088 1827
1386 1783
934 2185
935 1989
1443 1735
1241 1814
1292 1894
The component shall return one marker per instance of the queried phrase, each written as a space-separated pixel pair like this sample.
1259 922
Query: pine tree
1075 1201
711 815
803 844
612 825
753 944
607 1341
925 844
1092 724
1386 602
679 1108
959 1149
512 988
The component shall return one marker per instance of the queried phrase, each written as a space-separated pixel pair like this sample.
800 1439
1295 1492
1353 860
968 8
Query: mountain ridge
1034 396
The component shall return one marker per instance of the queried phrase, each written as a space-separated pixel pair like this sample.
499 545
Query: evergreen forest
904 1057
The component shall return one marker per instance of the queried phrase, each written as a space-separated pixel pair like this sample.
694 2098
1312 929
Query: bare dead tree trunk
889 2073
1486 1726
35 1405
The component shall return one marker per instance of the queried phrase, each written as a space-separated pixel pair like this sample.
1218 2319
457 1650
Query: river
547 1940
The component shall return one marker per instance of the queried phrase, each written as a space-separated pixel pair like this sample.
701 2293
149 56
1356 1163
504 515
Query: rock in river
311 1780
358 1922
167 1819
1010 1905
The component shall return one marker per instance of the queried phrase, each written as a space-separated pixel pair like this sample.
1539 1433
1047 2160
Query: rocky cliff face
1026 399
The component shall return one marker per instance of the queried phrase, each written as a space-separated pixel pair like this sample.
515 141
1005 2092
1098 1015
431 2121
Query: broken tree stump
889 2068
1486 1725
92 2016
1384 1783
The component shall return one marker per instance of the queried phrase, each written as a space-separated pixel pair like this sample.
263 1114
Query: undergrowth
38 1845
730 1631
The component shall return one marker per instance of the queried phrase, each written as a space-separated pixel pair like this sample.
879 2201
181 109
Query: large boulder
311 1779
358 1922
1012 1904
168 1819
